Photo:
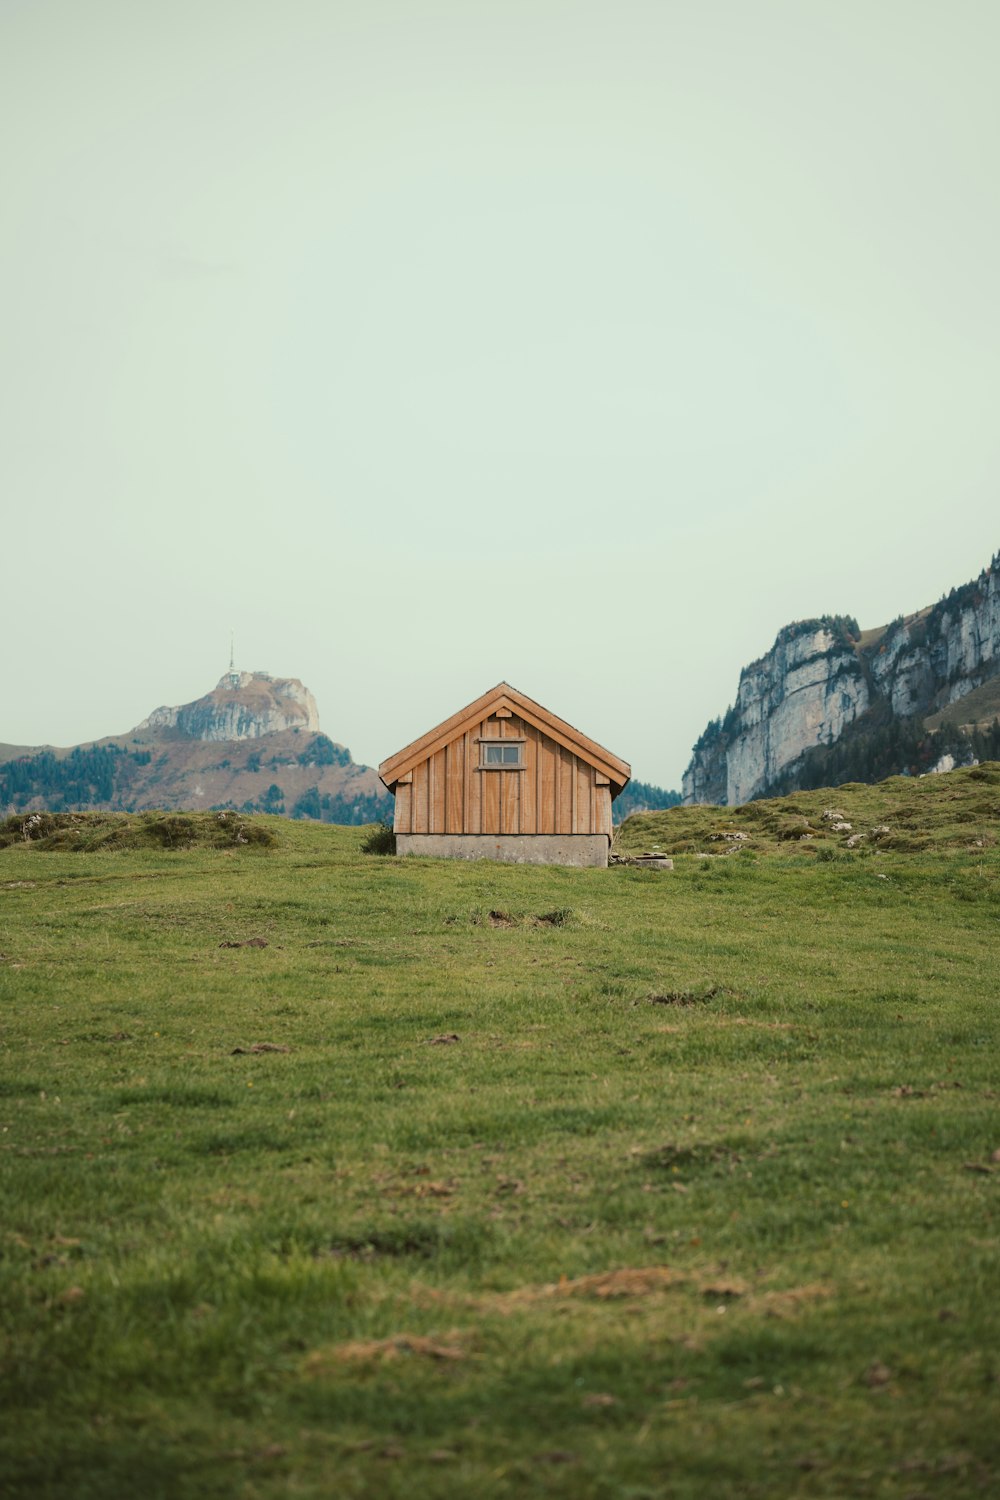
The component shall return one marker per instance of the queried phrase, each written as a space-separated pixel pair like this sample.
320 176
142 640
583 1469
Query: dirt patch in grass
379 1351
631 1281
700 1155
634 1283
497 918
421 1239
786 1304
684 997
604 1286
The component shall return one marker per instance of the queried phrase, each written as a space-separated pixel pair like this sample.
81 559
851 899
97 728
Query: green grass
86 833
701 1201
960 811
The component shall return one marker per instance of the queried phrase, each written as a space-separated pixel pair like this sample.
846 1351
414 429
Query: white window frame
501 765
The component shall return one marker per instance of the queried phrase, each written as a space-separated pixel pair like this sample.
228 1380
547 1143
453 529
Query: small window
500 753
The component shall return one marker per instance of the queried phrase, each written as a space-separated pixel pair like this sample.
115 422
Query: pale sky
426 345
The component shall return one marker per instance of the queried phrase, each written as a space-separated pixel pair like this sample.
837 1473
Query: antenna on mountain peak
234 676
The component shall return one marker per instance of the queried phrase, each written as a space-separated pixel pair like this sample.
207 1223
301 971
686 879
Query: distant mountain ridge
831 703
252 743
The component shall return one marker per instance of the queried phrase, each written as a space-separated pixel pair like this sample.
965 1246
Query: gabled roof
503 695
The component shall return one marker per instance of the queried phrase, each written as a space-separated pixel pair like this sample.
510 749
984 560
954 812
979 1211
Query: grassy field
327 1174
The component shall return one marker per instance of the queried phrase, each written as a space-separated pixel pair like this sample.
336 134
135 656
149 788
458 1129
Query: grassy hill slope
905 814
325 1173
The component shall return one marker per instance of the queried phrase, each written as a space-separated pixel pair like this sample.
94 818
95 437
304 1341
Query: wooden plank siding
420 811
554 792
547 758
402 820
583 820
566 773
470 791
437 793
454 775
490 795
510 801
529 799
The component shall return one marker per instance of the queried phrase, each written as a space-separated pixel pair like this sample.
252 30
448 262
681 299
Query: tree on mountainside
308 805
83 778
641 796
273 800
354 811
323 752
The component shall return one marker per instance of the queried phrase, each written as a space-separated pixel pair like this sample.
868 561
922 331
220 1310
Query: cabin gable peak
505 701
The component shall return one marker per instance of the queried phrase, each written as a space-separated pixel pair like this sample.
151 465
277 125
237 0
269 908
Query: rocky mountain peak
243 706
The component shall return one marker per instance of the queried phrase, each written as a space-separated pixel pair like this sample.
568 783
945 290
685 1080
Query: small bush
172 831
379 840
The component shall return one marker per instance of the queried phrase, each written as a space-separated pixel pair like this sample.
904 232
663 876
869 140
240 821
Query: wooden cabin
505 779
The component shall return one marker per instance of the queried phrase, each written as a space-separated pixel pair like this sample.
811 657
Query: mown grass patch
691 1191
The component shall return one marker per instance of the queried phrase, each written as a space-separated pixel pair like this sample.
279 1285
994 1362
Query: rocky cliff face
821 677
244 706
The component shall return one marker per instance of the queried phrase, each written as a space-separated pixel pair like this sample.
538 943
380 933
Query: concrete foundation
511 848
